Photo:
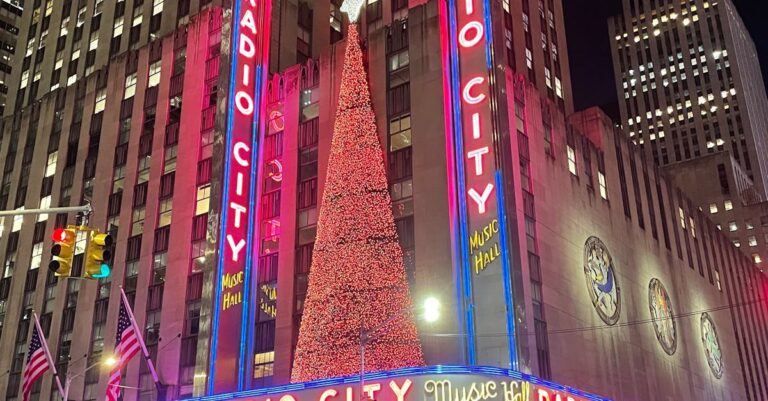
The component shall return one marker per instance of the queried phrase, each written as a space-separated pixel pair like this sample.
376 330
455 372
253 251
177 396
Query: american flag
126 346
37 363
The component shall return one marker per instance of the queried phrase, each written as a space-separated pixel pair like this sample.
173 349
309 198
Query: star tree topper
352 9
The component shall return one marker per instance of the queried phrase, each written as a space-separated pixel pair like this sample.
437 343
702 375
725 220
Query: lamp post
109 362
431 312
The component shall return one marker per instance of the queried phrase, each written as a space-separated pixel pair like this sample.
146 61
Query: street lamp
109 362
431 313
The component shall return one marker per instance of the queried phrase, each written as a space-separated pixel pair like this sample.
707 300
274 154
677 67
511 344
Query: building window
130 85
198 256
45 203
164 213
50 167
732 226
154 73
713 208
737 243
681 214
728 205
145 163
203 199
571 160
752 240
137 221
692 224
101 101
603 185
37 255
159 265
757 258
400 133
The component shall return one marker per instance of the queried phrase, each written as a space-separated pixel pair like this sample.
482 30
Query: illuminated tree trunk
357 275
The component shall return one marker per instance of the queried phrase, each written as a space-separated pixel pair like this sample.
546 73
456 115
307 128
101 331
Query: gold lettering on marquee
443 390
483 255
231 297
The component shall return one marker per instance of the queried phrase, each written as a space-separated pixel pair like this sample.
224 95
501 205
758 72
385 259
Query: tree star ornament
357 280
352 9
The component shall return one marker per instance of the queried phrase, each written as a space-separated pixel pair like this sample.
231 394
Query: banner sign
480 232
435 383
230 326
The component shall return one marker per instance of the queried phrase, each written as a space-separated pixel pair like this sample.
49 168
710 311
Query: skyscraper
10 15
689 83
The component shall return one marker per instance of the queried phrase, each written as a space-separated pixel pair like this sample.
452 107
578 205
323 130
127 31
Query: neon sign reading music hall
229 328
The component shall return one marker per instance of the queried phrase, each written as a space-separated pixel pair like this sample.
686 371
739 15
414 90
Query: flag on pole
126 346
37 362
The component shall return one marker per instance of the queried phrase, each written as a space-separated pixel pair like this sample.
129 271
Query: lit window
732 226
728 205
118 27
713 208
749 225
154 74
717 281
45 203
130 86
137 20
94 43
692 224
203 199
737 243
681 213
101 101
37 256
571 160
24 79
157 7
18 220
752 240
757 258
50 166
400 133
603 185
166 210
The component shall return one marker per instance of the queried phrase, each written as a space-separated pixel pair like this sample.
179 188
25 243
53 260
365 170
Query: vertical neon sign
481 233
230 325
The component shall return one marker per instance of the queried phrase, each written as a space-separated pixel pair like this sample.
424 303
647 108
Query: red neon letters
474 93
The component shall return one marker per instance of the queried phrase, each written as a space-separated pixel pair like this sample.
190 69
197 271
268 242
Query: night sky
588 47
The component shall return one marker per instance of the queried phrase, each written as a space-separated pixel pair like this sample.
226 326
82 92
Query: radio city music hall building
556 249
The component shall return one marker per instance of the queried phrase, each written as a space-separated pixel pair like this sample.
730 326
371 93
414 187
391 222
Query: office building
10 15
689 83
579 244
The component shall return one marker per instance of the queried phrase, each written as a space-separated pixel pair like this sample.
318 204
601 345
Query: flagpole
140 337
48 354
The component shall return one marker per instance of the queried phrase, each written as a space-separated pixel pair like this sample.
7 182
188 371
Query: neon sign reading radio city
473 92
249 44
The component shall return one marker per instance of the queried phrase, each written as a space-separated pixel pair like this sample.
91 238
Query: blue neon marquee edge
425 370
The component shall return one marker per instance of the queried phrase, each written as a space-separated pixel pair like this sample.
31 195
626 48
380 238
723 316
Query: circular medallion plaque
711 344
663 319
601 280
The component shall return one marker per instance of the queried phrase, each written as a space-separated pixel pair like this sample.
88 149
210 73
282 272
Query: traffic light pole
53 210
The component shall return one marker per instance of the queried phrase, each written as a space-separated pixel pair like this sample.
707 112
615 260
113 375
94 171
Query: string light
357 279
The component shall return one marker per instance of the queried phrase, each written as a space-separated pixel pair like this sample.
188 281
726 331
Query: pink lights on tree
357 280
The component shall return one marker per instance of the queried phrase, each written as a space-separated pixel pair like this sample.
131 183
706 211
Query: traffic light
98 255
63 251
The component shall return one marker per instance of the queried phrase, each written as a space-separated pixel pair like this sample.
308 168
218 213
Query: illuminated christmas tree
357 279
